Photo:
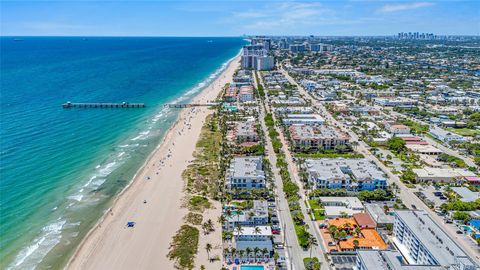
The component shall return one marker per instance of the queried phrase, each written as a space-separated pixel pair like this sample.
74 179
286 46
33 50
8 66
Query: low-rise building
399 129
303 119
246 172
424 149
426 174
396 102
246 131
309 137
466 195
253 237
246 93
445 136
257 216
338 206
377 212
351 174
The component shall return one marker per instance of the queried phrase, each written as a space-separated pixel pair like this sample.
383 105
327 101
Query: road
317 250
405 194
294 253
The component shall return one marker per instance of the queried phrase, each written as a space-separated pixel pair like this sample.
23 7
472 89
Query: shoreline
103 238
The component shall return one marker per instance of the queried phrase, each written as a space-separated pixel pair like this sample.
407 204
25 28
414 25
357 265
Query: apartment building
316 137
351 174
246 172
422 242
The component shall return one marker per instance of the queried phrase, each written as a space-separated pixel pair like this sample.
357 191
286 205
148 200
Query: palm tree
249 251
358 231
208 248
228 214
210 225
312 241
241 252
221 219
225 252
255 251
356 243
257 230
264 252
239 228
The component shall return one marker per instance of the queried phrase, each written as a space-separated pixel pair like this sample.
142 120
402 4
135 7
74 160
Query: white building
257 216
252 237
426 174
336 206
422 242
399 129
246 172
445 136
351 174
304 119
246 93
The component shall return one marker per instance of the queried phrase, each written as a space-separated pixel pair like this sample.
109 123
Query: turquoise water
61 168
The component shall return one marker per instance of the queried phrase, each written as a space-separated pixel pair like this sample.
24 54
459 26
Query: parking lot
428 192
344 262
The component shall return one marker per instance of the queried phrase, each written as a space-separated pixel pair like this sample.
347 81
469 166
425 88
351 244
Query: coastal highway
405 194
295 251
294 254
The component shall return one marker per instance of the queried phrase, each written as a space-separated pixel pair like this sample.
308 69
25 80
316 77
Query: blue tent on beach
130 224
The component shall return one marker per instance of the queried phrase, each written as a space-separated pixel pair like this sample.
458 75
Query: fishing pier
124 105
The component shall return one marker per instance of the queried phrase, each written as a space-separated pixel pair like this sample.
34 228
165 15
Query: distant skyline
235 18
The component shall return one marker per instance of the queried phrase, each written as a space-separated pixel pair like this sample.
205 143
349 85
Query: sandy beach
153 201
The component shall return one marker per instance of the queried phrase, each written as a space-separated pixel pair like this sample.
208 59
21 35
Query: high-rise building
256 57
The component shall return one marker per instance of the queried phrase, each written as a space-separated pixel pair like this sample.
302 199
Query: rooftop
241 167
340 168
307 132
432 237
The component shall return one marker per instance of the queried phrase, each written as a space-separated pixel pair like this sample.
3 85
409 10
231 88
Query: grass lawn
319 214
465 131
314 204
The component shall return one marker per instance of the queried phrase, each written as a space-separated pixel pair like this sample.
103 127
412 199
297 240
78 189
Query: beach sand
111 245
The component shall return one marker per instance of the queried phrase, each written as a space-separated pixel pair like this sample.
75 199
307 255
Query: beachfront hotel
246 172
351 174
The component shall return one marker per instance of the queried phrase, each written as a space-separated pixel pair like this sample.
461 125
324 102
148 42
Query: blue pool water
251 267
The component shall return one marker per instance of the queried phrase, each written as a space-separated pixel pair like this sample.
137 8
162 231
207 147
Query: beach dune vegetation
184 247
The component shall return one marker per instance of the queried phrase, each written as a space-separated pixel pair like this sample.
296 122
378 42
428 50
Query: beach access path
153 200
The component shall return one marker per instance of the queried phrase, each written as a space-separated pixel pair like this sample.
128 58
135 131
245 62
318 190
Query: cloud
282 14
401 7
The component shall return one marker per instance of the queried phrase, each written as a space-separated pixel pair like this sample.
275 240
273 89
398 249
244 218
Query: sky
236 18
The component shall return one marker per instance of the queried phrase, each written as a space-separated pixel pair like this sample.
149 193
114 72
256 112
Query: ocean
60 169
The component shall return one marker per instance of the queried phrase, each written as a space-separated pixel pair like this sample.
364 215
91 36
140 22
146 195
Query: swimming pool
251 267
